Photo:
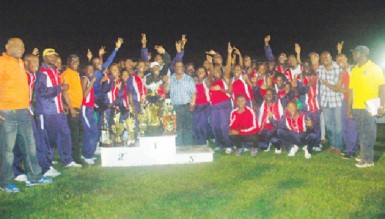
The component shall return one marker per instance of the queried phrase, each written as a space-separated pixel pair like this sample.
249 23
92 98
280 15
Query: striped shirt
181 90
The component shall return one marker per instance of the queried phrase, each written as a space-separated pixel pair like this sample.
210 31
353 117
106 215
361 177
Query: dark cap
361 49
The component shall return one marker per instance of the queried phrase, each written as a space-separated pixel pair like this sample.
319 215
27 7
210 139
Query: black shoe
347 156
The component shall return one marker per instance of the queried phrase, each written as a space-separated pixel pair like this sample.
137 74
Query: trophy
153 114
130 127
105 134
117 129
142 117
169 117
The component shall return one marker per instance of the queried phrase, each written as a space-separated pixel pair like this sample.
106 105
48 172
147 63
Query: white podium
157 150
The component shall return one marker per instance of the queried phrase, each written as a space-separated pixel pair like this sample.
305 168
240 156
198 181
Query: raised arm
340 46
297 49
144 50
111 58
268 52
227 73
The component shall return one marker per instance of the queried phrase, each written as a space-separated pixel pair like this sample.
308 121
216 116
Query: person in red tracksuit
243 126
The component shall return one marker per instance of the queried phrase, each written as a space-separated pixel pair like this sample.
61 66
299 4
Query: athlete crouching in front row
243 126
296 129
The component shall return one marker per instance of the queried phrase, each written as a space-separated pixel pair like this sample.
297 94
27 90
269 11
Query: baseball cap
153 64
362 49
49 51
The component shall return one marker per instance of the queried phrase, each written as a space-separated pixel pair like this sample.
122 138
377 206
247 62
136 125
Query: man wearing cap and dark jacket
367 82
50 109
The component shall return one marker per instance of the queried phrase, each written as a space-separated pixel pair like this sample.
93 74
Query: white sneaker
278 151
51 173
89 161
83 158
228 150
73 164
53 169
217 148
245 149
268 148
21 178
54 162
307 154
97 151
293 151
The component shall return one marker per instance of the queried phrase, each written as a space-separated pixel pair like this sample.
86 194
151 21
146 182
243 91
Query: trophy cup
105 134
142 117
117 129
169 117
130 127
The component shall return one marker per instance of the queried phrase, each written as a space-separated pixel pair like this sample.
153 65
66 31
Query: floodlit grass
266 186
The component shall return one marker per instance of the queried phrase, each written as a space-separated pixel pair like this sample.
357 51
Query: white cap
153 64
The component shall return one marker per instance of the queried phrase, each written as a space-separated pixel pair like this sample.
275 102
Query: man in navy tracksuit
49 108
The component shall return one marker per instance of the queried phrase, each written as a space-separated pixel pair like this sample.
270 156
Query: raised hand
237 51
297 48
183 41
35 51
119 43
160 49
144 40
211 52
229 48
209 58
102 51
267 39
89 55
340 46
178 46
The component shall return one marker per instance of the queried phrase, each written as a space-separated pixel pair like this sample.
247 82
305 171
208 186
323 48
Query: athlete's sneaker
245 149
10 189
318 149
253 152
54 162
90 161
293 151
307 154
347 156
97 151
83 158
238 152
73 164
21 178
268 148
358 159
278 151
363 164
228 150
51 173
42 181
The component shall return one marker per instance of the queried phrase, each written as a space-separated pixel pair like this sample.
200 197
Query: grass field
266 186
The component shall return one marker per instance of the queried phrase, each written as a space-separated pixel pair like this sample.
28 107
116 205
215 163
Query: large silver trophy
105 133
117 129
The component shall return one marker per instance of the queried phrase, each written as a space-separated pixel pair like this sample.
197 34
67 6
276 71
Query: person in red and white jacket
243 126
90 128
296 129
267 132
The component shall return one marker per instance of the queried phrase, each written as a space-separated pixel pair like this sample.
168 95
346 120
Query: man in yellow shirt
74 98
15 119
366 82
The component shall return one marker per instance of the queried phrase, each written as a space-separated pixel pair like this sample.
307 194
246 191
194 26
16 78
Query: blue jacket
48 91
99 74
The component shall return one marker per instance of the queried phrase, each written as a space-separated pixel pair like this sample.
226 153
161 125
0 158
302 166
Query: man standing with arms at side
74 98
183 94
15 119
367 82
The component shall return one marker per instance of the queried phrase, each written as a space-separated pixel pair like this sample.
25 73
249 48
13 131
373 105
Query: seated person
296 129
243 126
268 133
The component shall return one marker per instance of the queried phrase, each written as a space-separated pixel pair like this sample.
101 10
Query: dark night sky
72 26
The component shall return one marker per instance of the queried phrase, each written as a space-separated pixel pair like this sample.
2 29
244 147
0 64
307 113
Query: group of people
285 103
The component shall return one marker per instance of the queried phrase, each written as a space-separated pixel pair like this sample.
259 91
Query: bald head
15 47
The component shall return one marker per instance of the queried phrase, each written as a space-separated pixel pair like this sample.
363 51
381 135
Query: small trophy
117 129
105 134
130 127
142 117
169 117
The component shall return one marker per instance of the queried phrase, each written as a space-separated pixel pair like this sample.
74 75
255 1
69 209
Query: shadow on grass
369 210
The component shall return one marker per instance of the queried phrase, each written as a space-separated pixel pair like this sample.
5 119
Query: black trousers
237 140
74 123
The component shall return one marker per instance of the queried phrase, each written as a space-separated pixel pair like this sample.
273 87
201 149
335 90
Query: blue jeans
17 125
333 123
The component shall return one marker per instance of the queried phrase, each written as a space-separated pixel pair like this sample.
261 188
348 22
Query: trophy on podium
142 117
105 133
130 127
117 129
169 117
